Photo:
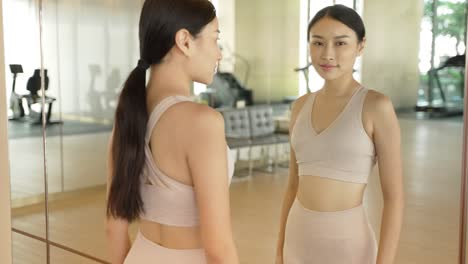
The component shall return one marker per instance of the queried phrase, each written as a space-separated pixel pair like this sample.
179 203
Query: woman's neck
343 86
166 80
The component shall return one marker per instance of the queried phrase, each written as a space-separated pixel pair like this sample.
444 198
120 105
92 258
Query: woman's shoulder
378 103
200 118
204 113
299 102
296 108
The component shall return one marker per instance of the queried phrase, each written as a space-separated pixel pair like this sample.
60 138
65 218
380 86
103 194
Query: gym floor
431 152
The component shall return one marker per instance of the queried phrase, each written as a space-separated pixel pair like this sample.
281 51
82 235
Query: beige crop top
166 200
343 151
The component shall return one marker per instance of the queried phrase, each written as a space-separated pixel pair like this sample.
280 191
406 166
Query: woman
337 135
168 160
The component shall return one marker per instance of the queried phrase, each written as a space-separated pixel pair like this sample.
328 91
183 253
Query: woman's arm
207 159
293 183
118 240
386 136
289 197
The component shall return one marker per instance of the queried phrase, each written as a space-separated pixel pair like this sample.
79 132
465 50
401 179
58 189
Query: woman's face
207 55
333 48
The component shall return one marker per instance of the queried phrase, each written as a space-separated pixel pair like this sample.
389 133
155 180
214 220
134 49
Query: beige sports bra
343 151
166 200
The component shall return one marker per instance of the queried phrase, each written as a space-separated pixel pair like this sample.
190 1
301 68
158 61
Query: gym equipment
16 106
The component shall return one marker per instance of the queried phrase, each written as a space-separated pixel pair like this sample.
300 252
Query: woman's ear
184 42
361 46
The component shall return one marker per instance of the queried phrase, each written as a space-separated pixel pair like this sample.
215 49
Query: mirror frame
464 175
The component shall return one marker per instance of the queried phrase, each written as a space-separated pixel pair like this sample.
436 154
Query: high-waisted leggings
144 251
339 237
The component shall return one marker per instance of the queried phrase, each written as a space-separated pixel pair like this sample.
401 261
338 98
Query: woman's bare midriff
328 195
173 237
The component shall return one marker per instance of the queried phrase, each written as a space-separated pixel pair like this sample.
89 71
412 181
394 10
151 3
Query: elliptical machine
16 105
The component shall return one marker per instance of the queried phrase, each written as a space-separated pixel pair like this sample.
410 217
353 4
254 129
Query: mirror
22 58
89 47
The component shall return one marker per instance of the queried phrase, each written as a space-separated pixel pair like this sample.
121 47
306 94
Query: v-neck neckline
345 108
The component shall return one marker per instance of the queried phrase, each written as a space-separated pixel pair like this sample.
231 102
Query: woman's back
170 169
171 216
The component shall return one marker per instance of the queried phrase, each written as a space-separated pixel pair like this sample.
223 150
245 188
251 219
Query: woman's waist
326 194
173 237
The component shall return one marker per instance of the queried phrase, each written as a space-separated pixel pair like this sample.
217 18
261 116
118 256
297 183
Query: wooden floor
79 164
432 168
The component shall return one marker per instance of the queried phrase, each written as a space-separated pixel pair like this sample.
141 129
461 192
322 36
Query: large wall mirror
60 123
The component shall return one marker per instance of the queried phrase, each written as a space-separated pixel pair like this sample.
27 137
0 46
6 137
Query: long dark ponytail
159 22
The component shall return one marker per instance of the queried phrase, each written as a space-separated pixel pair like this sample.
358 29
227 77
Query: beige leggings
145 251
328 237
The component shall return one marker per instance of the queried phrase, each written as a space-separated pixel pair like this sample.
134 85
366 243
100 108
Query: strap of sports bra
306 108
159 109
